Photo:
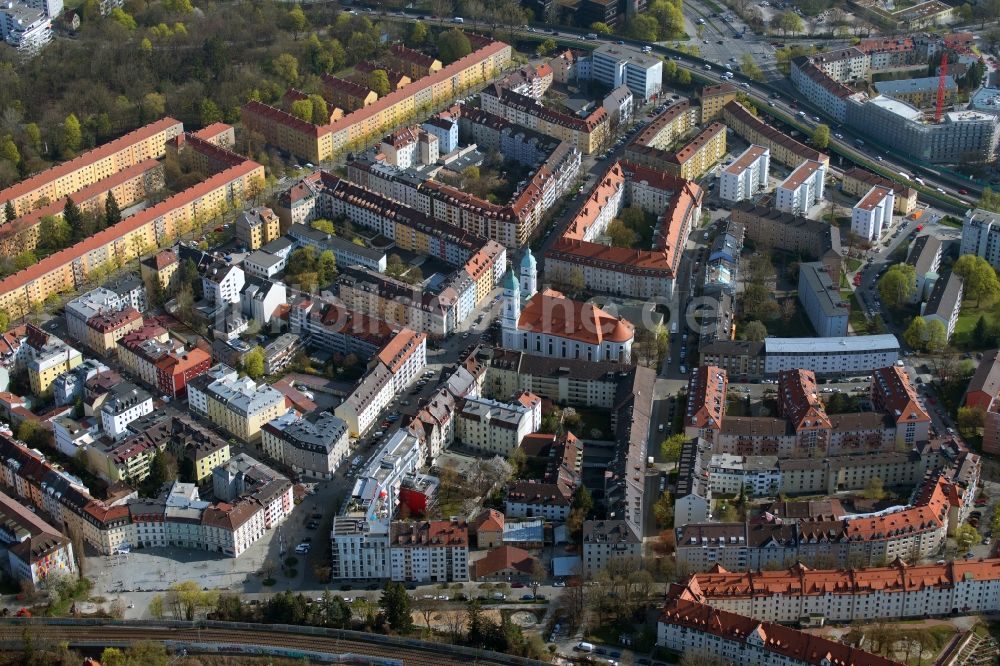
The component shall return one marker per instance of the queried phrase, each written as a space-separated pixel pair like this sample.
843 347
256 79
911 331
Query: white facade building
496 427
552 325
981 235
25 28
826 356
802 190
746 175
758 476
429 552
615 64
873 214
125 403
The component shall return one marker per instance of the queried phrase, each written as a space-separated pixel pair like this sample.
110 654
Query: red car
516 584
963 191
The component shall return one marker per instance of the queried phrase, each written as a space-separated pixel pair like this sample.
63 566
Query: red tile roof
549 312
126 226
89 157
504 558
776 638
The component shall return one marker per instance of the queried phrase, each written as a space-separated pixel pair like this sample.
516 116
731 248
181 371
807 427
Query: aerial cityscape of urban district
630 332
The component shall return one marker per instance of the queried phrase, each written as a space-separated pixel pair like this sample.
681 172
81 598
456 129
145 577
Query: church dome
510 282
528 260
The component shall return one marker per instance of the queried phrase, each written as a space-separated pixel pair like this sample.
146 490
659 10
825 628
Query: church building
546 323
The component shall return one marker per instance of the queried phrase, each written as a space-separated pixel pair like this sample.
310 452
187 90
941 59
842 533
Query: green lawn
967 319
796 327
857 320
852 265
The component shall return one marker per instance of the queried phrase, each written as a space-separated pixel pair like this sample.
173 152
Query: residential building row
633 272
129 239
396 366
177 518
238 405
803 429
432 86
691 627
588 135
837 356
554 165
896 591
962 136
54 184
916 531
784 149
32 550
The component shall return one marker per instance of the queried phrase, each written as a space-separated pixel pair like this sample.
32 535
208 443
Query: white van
673 327
585 647
458 19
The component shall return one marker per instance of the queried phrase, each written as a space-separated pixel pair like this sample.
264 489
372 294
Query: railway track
415 653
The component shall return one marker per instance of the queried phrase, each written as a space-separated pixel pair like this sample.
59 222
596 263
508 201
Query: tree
253 363
980 333
113 657
790 22
4 320
320 111
296 21
663 510
154 106
915 335
123 18
8 211
71 136
326 267
937 336
73 216
162 469
671 447
112 213
821 136
418 34
54 233
286 66
874 489
683 77
452 45
9 151
326 226
978 278
966 536
970 420
210 112
378 81
601 28
620 235
750 68
642 27
303 109
897 285
537 575
755 331
395 605
547 47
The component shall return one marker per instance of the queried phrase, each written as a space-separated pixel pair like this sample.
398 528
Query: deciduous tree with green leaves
897 285
253 363
821 136
671 447
979 279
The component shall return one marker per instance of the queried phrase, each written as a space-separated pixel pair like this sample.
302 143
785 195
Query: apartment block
746 175
607 541
495 427
714 98
256 227
945 301
802 190
981 235
429 551
147 142
819 294
892 393
873 214
925 257
32 550
238 405
614 65
314 446
858 181
432 85
784 149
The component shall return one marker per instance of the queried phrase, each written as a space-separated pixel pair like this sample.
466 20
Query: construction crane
939 109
